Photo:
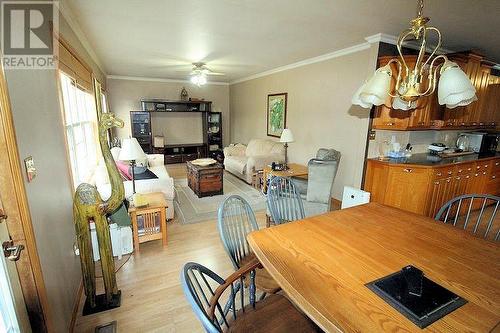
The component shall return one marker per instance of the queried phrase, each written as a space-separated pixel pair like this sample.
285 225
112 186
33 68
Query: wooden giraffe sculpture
89 206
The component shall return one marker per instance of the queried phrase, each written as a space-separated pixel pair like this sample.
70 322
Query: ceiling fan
200 72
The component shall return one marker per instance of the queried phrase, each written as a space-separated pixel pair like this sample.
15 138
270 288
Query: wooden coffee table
205 180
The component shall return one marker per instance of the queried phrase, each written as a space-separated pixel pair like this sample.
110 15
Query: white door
13 314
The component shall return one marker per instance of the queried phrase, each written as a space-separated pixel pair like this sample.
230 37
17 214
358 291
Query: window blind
74 67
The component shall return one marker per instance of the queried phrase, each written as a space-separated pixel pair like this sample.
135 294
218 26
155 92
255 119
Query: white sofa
155 162
242 161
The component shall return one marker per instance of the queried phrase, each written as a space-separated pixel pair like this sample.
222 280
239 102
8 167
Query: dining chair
475 213
283 201
235 221
206 292
321 176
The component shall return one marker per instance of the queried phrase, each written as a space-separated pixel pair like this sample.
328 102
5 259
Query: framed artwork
276 114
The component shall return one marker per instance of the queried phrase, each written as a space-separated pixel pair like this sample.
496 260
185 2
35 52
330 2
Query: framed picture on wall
276 114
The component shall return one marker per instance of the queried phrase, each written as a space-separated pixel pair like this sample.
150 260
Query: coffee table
205 180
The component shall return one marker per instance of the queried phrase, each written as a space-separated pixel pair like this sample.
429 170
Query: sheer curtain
80 121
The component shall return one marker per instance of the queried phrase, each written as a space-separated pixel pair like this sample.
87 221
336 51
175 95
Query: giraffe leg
107 260
82 229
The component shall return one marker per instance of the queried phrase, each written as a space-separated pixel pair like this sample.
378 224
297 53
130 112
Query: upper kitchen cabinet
428 114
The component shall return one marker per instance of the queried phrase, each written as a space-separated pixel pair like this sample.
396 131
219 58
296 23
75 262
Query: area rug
191 209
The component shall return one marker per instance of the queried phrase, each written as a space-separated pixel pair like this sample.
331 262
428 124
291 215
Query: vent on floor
106 328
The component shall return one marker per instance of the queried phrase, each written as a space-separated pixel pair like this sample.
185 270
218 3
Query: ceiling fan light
454 87
376 89
356 98
399 104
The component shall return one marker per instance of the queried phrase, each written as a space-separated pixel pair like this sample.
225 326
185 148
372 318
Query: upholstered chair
316 191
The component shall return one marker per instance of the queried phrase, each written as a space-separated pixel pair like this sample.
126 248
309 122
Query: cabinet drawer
189 157
173 159
495 165
483 166
446 171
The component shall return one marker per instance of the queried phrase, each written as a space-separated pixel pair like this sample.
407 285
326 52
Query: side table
149 222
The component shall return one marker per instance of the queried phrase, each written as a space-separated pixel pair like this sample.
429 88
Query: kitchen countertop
427 160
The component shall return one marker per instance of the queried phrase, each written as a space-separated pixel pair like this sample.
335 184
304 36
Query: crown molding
381 37
155 79
68 15
331 55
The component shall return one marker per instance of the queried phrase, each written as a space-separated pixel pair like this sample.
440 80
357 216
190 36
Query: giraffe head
108 120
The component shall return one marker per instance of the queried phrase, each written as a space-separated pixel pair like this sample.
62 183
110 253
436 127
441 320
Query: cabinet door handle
390 124
497 163
439 174
486 165
449 172
408 170
493 177
436 183
448 180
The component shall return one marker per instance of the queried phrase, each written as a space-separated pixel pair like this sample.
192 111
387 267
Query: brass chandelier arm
438 45
398 79
433 75
399 46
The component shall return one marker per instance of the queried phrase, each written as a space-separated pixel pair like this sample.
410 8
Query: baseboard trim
336 204
76 305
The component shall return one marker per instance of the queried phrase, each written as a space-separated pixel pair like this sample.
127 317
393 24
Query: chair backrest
284 201
235 221
205 291
321 175
473 212
328 154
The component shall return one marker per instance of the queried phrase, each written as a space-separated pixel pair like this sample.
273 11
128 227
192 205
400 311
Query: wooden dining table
323 263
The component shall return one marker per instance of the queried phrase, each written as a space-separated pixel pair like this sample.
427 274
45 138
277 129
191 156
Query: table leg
163 220
135 231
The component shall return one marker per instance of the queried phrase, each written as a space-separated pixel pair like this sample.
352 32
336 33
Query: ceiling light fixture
454 87
199 78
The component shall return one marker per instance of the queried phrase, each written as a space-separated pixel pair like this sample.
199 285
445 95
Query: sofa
155 163
242 161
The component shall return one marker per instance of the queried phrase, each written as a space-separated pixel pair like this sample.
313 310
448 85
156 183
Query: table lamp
286 137
131 151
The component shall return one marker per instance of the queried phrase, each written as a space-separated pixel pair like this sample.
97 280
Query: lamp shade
399 104
286 136
455 88
131 150
377 88
356 98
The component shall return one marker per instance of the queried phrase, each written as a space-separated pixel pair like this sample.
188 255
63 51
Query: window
80 121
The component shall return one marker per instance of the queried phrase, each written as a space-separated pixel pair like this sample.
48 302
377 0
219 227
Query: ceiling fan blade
215 73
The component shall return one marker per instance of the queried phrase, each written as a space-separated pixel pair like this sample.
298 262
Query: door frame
19 221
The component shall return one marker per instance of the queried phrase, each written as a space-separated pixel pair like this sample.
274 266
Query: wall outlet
371 135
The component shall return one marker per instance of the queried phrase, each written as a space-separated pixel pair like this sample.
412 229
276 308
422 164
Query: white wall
125 96
320 113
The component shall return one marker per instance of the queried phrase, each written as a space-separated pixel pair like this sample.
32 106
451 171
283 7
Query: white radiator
354 197
121 240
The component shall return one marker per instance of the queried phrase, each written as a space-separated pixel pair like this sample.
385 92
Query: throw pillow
124 170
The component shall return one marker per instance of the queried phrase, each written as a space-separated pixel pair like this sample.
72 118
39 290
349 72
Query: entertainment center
143 122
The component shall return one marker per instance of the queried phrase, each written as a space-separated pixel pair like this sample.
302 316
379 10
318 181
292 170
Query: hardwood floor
152 296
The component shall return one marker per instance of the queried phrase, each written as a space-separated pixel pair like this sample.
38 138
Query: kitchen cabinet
428 114
424 189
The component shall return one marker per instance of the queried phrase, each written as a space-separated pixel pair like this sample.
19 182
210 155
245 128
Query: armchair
316 191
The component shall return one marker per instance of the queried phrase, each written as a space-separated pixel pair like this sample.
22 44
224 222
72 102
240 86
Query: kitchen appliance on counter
481 142
490 143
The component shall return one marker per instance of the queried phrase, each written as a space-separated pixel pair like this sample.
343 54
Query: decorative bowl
204 161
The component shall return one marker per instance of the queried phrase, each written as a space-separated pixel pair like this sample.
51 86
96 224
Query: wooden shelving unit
178 153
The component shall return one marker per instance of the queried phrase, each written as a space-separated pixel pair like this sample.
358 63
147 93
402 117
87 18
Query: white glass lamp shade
377 88
286 136
455 88
131 150
357 101
399 104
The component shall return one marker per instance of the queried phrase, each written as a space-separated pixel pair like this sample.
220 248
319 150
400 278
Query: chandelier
454 87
